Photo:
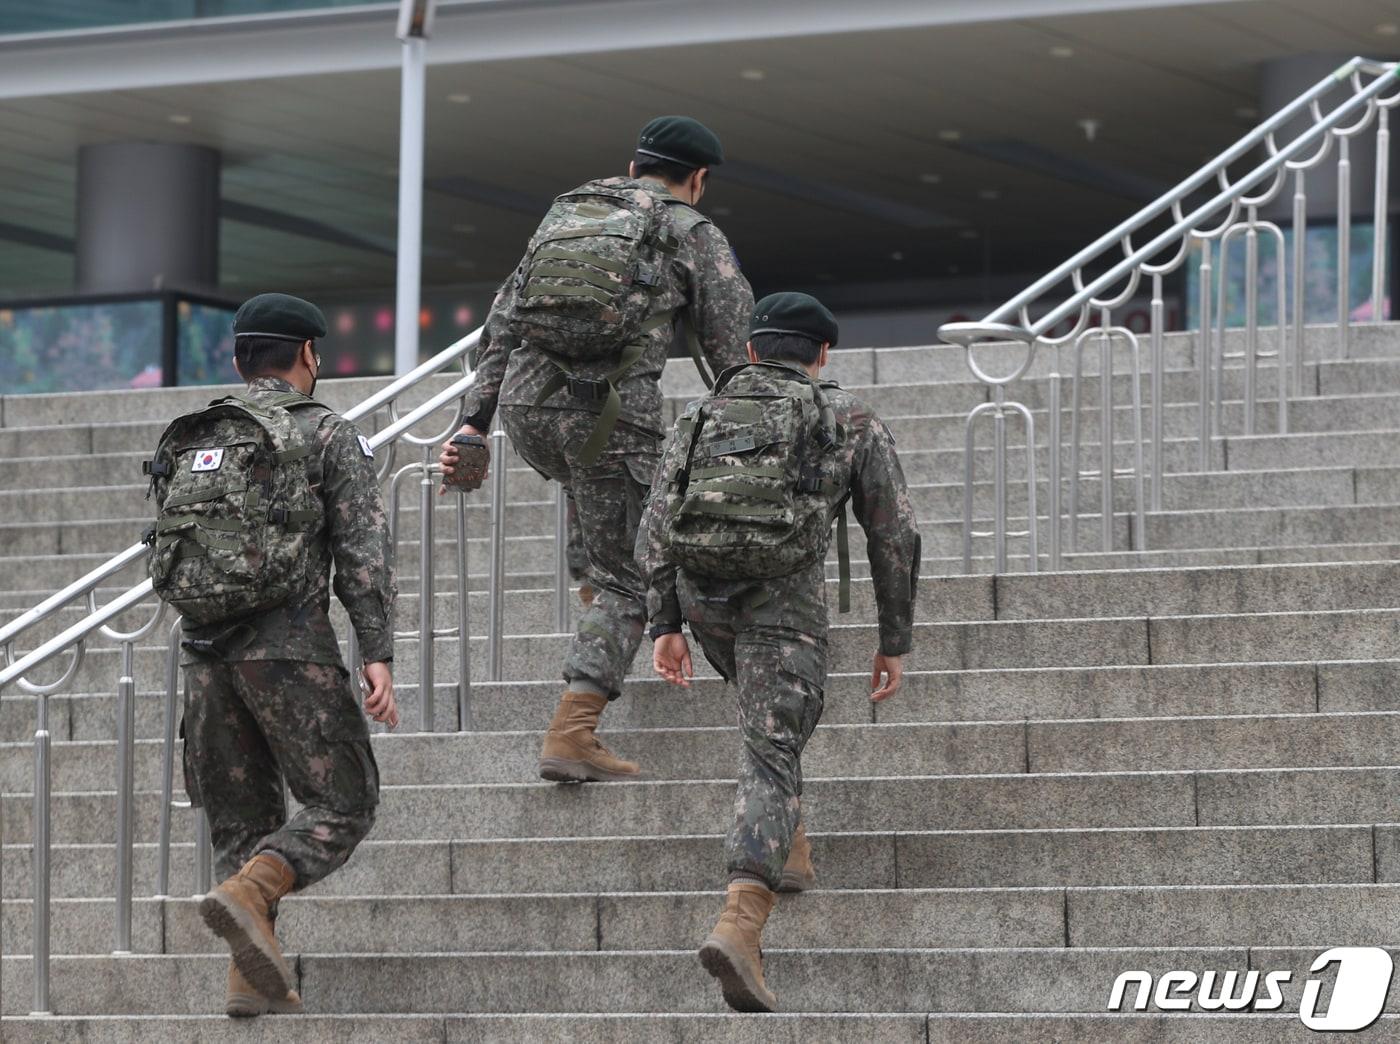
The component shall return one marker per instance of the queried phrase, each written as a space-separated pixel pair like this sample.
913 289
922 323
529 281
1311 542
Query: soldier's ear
825 357
632 169
753 355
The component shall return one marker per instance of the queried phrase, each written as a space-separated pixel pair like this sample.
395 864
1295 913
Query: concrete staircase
1192 764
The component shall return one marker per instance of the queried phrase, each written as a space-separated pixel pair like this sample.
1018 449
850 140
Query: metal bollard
561 559
126 798
426 500
497 592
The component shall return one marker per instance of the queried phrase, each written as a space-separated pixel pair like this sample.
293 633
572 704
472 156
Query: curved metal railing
17 668
1107 273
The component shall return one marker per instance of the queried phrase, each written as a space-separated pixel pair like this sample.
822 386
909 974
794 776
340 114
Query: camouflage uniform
271 697
703 279
769 638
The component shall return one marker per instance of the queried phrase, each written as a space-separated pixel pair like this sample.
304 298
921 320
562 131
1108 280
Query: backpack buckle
278 515
586 389
646 274
809 484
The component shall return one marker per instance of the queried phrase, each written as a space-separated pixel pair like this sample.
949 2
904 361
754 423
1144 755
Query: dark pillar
148 217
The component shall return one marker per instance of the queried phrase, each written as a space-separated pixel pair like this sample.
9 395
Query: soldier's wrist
659 630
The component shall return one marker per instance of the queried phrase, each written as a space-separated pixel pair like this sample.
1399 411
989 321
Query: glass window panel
80 347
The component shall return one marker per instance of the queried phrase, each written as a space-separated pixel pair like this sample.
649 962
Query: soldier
586 411
268 697
724 498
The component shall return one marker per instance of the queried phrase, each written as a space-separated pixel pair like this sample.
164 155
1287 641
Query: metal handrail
1124 264
13 669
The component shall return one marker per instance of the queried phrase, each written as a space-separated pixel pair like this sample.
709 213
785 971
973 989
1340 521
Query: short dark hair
669 171
261 355
784 347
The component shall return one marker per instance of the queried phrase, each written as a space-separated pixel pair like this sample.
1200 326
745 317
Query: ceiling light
953 269
753 74
950 135
464 229
1061 51
721 211
898 255
459 99
989 193
930 179
825 277
180 118
1387 29
1247 112
968 233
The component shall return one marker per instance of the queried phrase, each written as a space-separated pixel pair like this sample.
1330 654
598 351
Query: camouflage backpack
747 499
236 508
586 291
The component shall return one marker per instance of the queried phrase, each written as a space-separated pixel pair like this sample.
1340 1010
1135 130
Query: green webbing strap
226 525
612 407
603 282
657 321
213 540
692 344
302 516
707 507
288 455
199 496
592 292
738 487
607 264
586 232
843 562
700 474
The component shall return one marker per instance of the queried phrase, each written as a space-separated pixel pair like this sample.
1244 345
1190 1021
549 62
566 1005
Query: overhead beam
218 50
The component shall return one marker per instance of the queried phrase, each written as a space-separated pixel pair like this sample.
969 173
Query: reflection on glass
204 344
36 16
80 347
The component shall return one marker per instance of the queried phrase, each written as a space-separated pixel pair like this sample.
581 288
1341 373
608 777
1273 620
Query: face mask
316 373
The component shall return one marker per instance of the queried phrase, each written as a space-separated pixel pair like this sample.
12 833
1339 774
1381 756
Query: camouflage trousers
248 724
774 654
608 496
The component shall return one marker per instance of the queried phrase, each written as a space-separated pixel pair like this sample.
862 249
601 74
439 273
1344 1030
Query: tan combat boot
244 1002
239 911
732 953
571 753
798 873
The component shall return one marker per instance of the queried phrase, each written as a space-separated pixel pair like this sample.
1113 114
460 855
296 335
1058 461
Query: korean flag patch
365 447
208 459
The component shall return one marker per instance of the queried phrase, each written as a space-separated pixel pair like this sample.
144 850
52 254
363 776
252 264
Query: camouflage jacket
355 538
704 280
865 467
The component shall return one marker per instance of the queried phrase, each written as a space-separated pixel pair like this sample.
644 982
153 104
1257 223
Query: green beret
681 140
280 316
791 312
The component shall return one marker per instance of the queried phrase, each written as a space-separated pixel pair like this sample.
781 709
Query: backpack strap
602 388
843 560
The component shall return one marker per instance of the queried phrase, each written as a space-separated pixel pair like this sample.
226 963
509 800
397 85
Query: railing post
203 855
464 630
126 798
1158 349
1055 438
562 586
42 839
1205 353
167 758
426 495
1379 305
1251 325
498 554
1343 246
1106 434
1300 275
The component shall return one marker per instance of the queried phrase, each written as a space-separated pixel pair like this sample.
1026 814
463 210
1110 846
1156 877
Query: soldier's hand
670 655
448 457
885 678
379 701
